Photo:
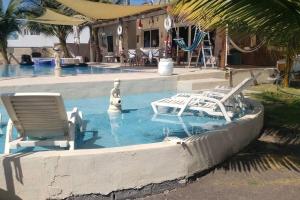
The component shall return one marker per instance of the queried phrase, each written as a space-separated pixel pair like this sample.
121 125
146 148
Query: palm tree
60 31
8 25
278 21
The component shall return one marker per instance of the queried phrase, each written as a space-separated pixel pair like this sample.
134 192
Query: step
195 85
202 74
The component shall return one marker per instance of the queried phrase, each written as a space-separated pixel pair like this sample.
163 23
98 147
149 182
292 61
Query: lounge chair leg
184 106
81 122
8 138
223 110
154 108
72 136
72 128
71 145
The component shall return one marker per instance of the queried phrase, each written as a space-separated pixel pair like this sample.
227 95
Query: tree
60 31
8 25
277 21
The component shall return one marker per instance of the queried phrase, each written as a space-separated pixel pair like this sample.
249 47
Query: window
110 44
151 38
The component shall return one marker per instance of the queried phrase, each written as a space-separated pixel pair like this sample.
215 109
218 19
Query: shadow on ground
279 145
261 156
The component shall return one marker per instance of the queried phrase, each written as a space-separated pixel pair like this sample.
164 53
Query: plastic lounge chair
41 120
150 54
211 102
144 55
132 57
156 54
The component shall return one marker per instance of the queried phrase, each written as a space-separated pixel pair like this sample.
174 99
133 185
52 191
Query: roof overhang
104 11
52 17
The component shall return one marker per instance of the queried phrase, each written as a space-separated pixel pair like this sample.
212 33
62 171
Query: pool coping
144 74
106 172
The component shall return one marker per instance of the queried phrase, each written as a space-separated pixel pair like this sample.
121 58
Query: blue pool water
136 125
12 71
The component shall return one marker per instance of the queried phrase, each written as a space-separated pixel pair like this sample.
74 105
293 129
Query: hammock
244 50
199 36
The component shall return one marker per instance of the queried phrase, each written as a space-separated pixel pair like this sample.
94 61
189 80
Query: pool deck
142 73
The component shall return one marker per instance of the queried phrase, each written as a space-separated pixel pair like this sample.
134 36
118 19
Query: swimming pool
13 71
136 125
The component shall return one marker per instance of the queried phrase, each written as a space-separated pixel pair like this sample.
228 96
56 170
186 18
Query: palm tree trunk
288 67
64 47
92 53
4 55
290 57
96 45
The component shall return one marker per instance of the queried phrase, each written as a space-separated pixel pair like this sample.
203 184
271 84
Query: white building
28 42
30 39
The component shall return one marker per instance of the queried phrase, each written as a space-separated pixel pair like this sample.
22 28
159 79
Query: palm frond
276 20
1 7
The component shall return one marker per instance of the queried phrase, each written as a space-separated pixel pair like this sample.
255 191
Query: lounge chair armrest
218 103
8 139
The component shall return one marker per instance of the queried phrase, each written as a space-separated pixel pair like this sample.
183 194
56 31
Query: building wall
261 57
128 38
132 37
102 36
27 43
41 40
151 23
132 31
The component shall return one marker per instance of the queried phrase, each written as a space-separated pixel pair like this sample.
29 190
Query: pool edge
61 174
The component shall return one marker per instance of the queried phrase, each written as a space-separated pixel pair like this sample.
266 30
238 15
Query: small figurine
57 58
115 98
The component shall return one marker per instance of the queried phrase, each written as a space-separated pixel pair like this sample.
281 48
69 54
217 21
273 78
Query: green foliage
60 31
282 108
8 24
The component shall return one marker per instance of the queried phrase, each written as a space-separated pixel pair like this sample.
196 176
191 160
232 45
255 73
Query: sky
132 1
5 3
135 2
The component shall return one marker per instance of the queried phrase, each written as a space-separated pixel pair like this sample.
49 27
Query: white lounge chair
41 120
132 57
216 102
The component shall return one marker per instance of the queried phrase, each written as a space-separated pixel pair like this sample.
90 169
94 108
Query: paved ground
268 169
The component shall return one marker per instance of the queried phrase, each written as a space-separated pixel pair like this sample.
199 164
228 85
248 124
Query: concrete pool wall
61 174
94 88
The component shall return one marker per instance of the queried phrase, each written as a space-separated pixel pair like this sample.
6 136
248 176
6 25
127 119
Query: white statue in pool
57 58
115 98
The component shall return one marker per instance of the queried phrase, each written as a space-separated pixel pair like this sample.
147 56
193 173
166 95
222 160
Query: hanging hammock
244 50
198 38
